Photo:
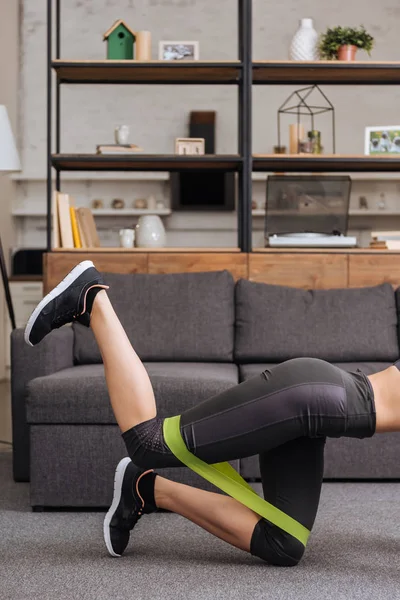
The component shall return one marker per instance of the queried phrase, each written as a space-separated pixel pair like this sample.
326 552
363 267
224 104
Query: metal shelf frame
208 73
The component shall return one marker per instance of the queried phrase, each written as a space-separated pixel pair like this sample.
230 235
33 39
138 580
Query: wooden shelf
359 212
18 278
260 212
100 212
155 71
227 72
92 176
164 176
324 162
147 250
327 72
145 162
324 251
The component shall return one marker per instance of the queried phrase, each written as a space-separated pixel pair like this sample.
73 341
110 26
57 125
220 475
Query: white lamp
9 162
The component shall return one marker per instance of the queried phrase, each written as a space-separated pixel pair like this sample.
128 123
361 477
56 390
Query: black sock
146 489
90 296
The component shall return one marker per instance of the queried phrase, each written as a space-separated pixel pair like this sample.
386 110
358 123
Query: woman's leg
291 476
292 479
220 515
129 387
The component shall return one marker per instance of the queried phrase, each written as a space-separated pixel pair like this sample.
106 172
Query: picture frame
382 141
190 146
179 51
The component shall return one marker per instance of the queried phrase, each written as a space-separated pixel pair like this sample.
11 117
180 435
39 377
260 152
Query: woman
284 415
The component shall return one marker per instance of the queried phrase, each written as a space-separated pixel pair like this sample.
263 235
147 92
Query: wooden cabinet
307 269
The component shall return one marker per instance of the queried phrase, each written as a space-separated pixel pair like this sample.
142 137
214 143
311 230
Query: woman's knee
275 546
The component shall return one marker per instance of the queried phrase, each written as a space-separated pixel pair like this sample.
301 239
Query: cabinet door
192 262
299 269
374 269
58 264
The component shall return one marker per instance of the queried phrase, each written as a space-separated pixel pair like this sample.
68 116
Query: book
84 242
75 231
89 227
56 242
64 214
118 149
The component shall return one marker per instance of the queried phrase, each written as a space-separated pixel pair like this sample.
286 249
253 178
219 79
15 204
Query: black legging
284 415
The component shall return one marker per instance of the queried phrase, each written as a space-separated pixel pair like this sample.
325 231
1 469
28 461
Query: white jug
127 238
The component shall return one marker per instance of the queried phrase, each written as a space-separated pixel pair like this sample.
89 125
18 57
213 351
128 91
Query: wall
9 69
158 114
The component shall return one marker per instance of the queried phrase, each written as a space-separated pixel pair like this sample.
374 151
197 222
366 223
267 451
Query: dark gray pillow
183 316
275 323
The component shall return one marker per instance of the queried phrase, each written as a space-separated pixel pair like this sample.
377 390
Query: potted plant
342 43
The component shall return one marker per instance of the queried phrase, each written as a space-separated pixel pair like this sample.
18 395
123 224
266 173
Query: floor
353 554
5 416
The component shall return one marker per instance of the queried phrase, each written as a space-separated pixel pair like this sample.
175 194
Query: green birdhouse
120 41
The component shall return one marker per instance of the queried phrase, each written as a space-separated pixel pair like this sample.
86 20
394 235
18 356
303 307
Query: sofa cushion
253 369
79 394
180 317
275 323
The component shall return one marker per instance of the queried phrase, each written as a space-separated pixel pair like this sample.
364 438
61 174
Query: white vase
304 45
150 232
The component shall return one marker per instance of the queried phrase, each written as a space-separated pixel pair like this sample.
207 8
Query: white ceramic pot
150 232
304 44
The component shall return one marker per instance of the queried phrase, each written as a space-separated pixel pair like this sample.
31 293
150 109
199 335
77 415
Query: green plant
335 37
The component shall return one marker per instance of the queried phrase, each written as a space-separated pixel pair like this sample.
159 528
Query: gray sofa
198 335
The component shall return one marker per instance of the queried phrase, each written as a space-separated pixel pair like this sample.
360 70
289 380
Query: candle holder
308 102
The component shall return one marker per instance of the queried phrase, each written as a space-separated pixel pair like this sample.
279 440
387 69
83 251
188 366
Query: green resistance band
224 476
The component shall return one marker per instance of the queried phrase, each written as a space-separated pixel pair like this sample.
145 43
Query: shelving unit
244 73
153 72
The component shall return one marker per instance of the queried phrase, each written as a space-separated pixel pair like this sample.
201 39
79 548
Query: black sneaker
67 302
127 507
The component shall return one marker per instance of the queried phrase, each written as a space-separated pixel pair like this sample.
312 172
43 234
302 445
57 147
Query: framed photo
382 140
178 50
190 146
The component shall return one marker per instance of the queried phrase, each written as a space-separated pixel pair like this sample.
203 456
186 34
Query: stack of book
118 149
73 227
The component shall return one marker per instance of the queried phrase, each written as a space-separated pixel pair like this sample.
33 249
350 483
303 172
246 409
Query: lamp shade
9 159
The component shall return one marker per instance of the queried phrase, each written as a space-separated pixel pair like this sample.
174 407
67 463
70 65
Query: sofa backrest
276 323
184 316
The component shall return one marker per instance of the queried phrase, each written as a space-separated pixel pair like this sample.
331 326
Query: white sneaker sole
118 479
61 287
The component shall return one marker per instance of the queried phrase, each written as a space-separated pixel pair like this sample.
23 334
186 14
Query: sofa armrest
53 354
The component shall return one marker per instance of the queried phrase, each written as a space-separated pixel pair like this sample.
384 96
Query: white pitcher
127 238
150 232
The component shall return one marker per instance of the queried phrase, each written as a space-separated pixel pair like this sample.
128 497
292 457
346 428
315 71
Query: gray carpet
354 553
